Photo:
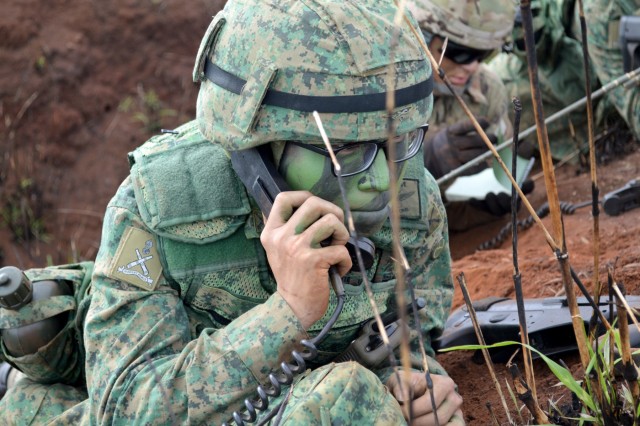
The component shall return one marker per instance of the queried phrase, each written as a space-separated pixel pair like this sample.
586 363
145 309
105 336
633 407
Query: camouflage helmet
479 24
265 65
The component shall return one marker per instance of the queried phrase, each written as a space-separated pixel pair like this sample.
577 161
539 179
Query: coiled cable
565 208
288 370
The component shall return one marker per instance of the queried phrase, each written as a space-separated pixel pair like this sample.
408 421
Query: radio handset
255 168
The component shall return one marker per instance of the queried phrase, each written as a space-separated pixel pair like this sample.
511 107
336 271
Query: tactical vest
207 230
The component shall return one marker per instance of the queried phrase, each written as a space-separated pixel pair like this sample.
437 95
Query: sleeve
499 104
432 280
606 57
143 367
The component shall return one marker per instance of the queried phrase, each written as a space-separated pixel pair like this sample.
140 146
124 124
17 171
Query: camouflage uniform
184 319
214 320
485 95
65 357
603 18
560 73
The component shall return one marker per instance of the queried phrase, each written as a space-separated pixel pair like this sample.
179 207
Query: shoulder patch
410 196
136 261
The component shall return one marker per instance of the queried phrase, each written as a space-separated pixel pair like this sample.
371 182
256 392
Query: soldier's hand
448 401
500 204
454 146
298 223
495 204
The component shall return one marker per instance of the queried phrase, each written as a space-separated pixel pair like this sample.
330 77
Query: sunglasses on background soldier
463 55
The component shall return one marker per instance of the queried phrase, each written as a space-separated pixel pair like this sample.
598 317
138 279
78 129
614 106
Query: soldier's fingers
461 127
471 141
446 411
493 138
483 122
465 126
327 226
284 206
337 256
443 389
312 210
466 156
504 200
299 209
418 385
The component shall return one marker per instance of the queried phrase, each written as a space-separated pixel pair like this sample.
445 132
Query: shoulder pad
185 187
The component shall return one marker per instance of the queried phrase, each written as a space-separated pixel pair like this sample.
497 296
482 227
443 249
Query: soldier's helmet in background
480 24
264 66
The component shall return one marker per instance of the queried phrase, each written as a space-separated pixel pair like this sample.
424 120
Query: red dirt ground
81 83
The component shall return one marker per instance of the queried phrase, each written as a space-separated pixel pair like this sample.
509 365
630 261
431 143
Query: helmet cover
265 65
479 24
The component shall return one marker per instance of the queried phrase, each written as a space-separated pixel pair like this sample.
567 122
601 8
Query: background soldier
474 30
605 52
194 299
560 73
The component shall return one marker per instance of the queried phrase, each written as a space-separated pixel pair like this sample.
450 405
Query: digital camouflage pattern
192 345
64 356
343 48
214 326
560 74
603 19
480 24
483 25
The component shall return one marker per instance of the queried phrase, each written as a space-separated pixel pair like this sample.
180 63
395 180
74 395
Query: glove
500 204
496 204
455 145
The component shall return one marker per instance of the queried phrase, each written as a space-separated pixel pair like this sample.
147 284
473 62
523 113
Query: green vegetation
22 213
605 397
147 109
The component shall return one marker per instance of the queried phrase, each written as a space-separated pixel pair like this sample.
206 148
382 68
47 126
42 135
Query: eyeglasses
463 55
357 157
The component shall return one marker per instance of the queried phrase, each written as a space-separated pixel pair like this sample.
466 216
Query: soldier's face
458 74
367 192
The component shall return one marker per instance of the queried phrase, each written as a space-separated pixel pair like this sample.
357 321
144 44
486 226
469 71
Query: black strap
323 104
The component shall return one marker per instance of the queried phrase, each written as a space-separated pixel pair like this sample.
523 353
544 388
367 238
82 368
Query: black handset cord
289 370
501 236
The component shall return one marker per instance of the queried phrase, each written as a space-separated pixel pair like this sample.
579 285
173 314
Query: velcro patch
136 261
409 196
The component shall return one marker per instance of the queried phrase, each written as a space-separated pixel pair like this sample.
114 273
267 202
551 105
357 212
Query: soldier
195 298
474 31
605 52
560 74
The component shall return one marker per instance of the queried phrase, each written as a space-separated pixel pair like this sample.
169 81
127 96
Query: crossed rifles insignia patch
136 261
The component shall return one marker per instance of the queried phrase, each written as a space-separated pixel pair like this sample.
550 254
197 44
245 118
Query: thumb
415 388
